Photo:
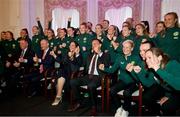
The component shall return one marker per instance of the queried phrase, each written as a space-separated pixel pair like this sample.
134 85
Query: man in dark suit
43 63
22 64
46 61
93 75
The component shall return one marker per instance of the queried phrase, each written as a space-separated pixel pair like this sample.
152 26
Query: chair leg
140 100
45 87
102 95
24 88
71 97
52 89
108 95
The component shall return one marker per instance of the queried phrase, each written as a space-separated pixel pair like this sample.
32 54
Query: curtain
118 16
60 18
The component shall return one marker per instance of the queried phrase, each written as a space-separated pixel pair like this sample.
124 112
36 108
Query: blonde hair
129 41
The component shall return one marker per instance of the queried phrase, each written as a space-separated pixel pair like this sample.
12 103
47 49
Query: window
118 16
60 18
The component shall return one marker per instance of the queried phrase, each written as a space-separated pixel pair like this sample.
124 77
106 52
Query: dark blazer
75 64
29 54
103 59
48 61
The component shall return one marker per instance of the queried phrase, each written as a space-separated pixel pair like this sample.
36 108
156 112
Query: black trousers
150 97
128 90
92 83
12 80
170 107
9 72
33 81
156 92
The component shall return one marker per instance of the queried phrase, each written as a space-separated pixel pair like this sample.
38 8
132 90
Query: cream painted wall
9 15
18 14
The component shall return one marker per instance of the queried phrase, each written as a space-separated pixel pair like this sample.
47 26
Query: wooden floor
21 105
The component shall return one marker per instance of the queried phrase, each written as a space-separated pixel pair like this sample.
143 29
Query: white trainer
124 113
119 112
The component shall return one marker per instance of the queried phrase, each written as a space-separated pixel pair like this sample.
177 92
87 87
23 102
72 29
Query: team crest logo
37 40
106 51
14 46
163 36
85 39
133 62
122 62
9 55
52 44
119 72
175 33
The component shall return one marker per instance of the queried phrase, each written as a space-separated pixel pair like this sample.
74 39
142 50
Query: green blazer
1 65
120 65
169 42
171 74
36 44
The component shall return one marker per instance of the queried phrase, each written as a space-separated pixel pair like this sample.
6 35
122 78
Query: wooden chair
136 96
48 75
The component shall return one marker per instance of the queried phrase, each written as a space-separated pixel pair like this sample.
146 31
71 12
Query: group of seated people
132 56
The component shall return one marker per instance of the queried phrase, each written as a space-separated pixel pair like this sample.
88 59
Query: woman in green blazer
125 80
168 73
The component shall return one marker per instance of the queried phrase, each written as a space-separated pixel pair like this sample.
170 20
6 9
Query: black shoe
32 95
74 108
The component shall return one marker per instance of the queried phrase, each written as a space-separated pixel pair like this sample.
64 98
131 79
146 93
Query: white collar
25 49
100 54
46 50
